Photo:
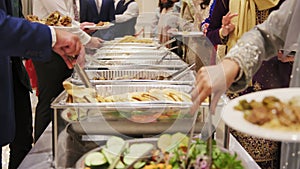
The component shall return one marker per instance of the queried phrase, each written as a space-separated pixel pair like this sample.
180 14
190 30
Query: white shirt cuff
53 34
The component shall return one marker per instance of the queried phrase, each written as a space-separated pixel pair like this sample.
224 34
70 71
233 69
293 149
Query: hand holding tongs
166 43
86 81
207 130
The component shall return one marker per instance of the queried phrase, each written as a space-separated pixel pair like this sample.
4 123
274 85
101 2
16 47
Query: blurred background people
194 12
155 19
126 12
94 11
97 10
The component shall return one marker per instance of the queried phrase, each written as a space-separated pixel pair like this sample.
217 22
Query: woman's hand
227 26
288 58
213 80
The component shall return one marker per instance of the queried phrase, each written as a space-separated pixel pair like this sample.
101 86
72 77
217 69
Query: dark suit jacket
18 38
89 12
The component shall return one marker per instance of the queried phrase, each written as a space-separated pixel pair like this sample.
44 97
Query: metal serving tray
129 87
135 64
116 41
124 110
146 75
130 47
136 56
131 51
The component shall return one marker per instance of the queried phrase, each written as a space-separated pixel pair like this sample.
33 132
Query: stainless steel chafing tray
130 51
146 75
125 109
135 64
147 55
129 47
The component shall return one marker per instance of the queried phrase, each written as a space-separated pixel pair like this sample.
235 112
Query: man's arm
33 40
131 12
20 37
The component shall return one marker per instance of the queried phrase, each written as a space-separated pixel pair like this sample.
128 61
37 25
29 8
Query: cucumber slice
140 148
114 146
113 141
163 142
179 139
94 159
136 151
129 158
120 165
108 155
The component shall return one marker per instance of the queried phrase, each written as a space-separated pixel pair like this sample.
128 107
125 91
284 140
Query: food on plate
132 39
54 19
101 23
271 112
170 151
65 21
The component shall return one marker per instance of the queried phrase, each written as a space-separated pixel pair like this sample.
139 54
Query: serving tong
86 81
206 130
179 73
165 55
166 43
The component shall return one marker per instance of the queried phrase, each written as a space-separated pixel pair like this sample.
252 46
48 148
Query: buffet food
168 152
80 94
101 23
54 19
158 77
271 112
132 39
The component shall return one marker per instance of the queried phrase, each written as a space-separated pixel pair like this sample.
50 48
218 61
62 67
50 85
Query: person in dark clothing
126 17
31 40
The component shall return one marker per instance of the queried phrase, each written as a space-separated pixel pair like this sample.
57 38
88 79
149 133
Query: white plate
188 34
95 27
66 28
235 119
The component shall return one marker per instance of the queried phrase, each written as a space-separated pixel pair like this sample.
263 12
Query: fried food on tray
132 39
271 112
65 21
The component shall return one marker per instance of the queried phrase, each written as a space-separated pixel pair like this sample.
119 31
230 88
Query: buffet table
40 155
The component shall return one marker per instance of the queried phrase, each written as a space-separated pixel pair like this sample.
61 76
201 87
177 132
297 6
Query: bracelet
220 33
241 72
